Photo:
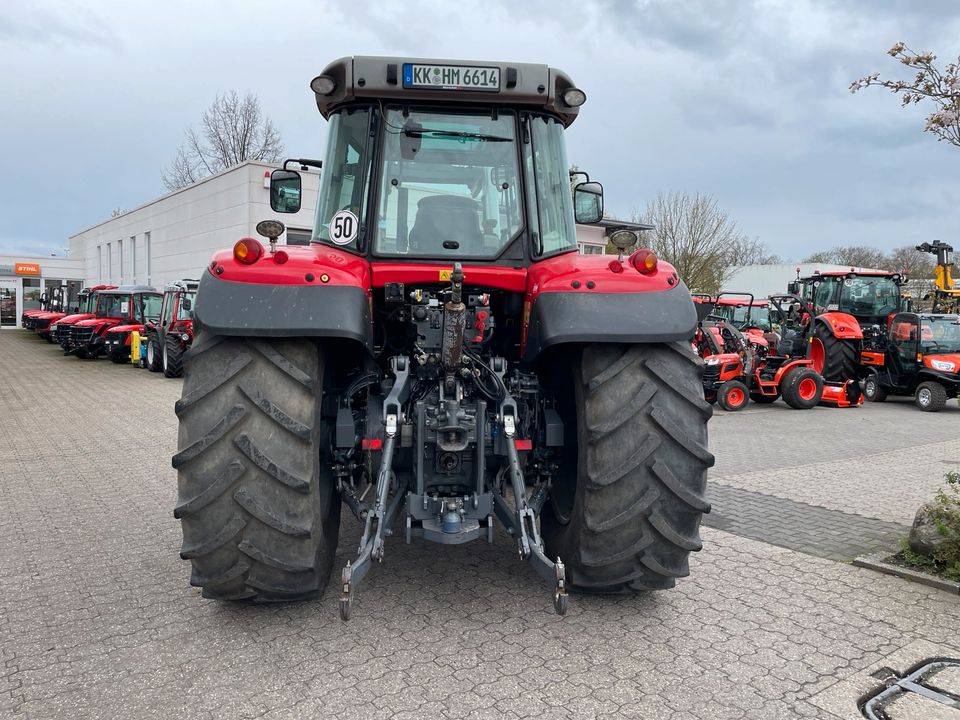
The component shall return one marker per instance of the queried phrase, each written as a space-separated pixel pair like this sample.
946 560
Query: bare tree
941 87
917 264
750 251
692 234
231 130
852 255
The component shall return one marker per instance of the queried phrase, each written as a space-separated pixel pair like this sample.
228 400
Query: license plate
451 77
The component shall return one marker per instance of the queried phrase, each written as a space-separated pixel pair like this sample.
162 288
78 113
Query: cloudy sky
745 101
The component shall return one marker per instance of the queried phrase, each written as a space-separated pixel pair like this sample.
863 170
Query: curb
876 561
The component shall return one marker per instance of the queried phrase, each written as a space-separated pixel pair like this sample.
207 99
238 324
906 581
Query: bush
946 557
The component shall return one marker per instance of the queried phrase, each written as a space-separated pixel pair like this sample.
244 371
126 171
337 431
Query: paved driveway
97 619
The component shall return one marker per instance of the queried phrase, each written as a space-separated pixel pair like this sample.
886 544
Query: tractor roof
851 273
185 285
364 78
128 289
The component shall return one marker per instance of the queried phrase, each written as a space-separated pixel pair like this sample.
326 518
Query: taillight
644 260
280 257
247 251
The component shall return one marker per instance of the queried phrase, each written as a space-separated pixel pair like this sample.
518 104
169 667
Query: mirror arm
303 162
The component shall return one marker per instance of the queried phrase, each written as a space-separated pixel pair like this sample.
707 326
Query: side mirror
793 288
588 202
285 186
187 304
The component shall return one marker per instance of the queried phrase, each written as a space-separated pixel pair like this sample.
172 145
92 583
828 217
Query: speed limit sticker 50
343 228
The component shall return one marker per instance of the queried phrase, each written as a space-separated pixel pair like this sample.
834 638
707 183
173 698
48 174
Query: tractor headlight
943 365
712 361
185 337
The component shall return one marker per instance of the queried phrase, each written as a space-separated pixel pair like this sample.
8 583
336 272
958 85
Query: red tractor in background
117 339
845 317
440 358
128 305
169 338
53 306
86 309
742 366
742 310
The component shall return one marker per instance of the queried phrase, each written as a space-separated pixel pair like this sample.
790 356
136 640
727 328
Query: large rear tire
839 358
258 508
172 356
629 493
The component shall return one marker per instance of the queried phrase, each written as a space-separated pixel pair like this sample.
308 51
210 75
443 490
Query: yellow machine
135 347
946 295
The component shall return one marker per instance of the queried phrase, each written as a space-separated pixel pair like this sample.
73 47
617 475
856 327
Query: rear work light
645 261
247 251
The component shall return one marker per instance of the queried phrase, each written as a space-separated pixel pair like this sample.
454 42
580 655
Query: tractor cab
922 359
171 335
743 310
86 309
125 305
870 297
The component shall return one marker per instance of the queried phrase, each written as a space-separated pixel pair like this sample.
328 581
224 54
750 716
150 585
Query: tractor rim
870 387
807 389
736 397
818 354
924 396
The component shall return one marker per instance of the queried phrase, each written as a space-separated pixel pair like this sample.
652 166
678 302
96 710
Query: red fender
841 325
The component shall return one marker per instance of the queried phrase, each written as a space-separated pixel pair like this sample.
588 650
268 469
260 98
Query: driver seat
442 218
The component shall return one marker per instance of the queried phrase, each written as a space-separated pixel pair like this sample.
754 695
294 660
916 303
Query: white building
766 280
174 236
24 279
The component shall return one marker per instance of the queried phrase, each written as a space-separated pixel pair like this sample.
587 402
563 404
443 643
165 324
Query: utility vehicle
921 358
440 359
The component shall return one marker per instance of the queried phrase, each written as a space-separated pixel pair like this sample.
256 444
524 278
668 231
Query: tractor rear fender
788 366
558 318
841 325
314 309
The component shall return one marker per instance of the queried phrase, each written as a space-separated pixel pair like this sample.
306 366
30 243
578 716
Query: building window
133 258
109 264
591 249
148 255
120 254
100 264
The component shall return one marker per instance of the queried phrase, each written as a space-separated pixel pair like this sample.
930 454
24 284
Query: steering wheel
928 345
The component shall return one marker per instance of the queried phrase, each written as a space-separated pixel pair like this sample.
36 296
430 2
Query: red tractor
169 338
52 307
117 338
126 306
851 313
832 341
742 366
86 309
440 358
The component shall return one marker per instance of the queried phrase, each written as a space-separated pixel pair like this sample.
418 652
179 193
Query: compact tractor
921 359
742 310
741 365
169 338
86 309
52 308
124 309
440 358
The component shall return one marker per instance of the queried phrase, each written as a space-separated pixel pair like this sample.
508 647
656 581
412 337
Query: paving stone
97 619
